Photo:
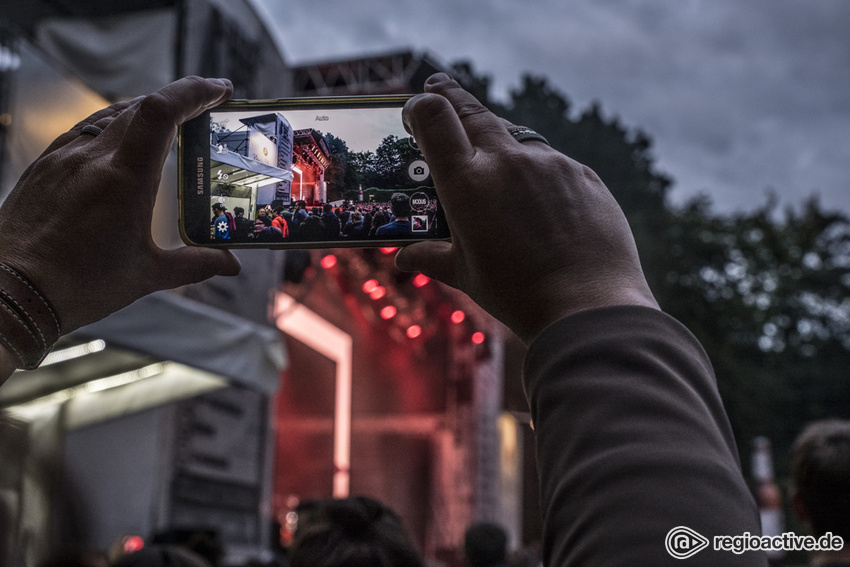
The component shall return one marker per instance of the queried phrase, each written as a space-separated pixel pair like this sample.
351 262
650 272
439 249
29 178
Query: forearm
632 441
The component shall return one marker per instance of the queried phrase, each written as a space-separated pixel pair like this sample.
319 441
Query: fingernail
438 78
405 120
405 114
218 82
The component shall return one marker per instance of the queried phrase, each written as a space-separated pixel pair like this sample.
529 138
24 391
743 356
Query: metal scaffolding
395 73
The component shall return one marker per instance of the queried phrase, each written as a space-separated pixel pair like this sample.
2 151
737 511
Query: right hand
536 236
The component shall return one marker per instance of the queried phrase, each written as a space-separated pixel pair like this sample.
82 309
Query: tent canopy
160 327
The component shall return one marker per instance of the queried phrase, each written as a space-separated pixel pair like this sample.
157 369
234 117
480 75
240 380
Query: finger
439 134
150 129
97 119
192 264
431 258
108 112
484 129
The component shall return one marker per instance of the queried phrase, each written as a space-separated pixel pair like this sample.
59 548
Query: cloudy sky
739 97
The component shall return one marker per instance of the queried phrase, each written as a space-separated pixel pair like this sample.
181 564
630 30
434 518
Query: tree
339 176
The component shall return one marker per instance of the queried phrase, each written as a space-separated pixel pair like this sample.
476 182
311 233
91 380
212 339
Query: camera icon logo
418 170
683 542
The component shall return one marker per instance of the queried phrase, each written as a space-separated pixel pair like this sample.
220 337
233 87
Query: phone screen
338 173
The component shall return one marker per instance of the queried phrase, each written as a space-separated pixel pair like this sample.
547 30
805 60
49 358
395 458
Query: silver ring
523 134
91 129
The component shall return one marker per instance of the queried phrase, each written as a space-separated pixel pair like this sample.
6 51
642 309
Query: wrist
28 323
560 299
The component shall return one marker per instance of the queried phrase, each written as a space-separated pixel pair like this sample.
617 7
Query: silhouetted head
400 205
820 463
485 545
352 532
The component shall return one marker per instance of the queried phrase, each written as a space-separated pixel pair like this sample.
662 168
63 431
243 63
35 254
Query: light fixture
414 331
328 261
73 352
99 385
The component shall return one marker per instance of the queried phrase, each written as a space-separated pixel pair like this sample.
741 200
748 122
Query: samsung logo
200 180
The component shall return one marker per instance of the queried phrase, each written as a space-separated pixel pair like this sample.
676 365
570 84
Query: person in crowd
263 233
287 216
312 229
351 532
299 214
263 215
221 223
244 227
331 222
820 465
485 545
343 214
631 437
355 228
379 220
279 222
399 226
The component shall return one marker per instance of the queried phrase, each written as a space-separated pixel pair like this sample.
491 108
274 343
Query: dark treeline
765 291
382 169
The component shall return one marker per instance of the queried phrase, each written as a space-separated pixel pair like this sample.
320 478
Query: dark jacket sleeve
632 441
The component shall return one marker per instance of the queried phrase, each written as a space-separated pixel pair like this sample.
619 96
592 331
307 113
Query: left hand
78 223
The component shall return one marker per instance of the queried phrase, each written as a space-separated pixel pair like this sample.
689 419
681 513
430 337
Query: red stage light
133 543
369 286
458 317
388 312
478 337
421 280
414 331
389 250
378 293
328 261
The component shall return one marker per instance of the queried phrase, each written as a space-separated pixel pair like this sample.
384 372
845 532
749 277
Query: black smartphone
305 173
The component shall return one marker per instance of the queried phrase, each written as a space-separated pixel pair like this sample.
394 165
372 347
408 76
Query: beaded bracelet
28 324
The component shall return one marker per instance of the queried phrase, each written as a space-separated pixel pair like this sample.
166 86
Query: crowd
348 221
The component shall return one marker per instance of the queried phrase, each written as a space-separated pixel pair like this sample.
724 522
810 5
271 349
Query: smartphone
305 173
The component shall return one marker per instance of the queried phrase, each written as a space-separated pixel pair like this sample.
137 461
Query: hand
78 223
536 235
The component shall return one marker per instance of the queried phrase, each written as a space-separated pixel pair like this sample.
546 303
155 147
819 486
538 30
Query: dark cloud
738 96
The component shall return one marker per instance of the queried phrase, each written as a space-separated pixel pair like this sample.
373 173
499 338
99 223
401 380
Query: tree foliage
765 293
384 168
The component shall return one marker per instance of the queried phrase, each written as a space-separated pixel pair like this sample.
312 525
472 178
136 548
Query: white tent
165 329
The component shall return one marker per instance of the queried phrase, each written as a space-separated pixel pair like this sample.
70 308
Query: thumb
192 264
434 259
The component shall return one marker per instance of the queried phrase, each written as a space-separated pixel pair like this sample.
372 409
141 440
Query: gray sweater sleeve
632 441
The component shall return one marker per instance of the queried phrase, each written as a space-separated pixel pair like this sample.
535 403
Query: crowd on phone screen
302 223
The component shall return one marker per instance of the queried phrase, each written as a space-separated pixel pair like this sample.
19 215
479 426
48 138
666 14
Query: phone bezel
193 187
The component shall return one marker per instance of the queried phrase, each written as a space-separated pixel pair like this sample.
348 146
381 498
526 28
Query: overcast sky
738 96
